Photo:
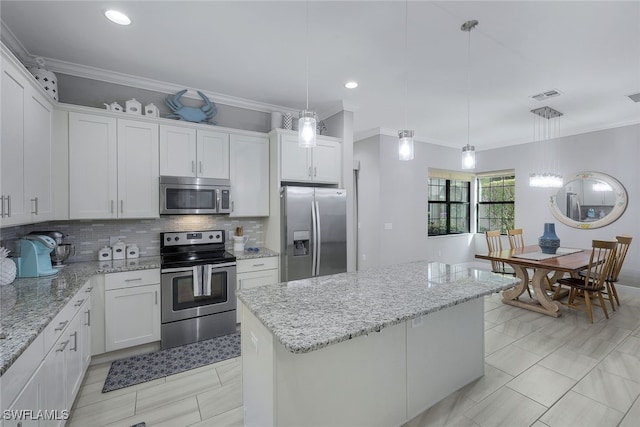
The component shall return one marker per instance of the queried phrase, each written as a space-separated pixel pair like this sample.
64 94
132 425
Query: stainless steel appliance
198 282
573 206
313 232
187 195
62 251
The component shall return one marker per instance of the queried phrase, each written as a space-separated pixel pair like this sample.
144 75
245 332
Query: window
449 206
496 201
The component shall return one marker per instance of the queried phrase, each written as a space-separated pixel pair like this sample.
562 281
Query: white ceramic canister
133 251
104 254
133 106
118 250
239 242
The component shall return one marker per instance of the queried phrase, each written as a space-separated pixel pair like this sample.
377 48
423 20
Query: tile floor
539 371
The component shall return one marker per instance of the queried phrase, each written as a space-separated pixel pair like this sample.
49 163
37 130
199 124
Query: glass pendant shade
468 157
405 145
307 129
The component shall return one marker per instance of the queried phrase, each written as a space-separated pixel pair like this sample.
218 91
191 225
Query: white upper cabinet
322 164
249 175
113 168
212 154
186 151
25 195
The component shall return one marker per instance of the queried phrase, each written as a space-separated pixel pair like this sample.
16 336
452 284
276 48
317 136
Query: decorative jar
549 241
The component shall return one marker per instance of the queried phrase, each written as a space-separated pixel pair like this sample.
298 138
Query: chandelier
546 126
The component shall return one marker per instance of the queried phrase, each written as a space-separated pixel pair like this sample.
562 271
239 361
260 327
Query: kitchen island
371 348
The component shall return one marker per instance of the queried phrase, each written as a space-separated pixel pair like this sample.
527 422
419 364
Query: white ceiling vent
635 97
546 95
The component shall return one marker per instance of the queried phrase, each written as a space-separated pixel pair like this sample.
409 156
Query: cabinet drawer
56 327
128 279
256 264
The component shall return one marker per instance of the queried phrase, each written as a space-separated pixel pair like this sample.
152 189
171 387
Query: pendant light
307 120
469 151
405 137
546 126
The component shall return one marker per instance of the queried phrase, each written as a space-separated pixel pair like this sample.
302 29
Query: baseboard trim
125 352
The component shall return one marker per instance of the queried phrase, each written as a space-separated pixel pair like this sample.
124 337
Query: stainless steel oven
190 195
198 281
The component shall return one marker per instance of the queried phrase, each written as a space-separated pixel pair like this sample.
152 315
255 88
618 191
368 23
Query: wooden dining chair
611 293
601 263
494 244
516 241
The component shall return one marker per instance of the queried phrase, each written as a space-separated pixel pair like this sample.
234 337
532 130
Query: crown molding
12 43
94 73
115 77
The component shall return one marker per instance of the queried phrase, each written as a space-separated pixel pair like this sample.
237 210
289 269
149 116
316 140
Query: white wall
395 192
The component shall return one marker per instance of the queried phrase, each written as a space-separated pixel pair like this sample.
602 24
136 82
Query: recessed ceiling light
117 17
351 85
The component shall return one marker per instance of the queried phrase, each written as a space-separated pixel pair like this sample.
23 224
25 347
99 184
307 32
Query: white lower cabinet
132 308
29 398
53 385
251 273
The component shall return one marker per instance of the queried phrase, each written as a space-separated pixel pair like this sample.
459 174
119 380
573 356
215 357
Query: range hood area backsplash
89 236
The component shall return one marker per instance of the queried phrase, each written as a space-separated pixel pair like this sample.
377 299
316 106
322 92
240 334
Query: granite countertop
262 253
306 315
28 304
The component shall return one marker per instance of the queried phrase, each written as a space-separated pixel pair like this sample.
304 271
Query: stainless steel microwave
188 196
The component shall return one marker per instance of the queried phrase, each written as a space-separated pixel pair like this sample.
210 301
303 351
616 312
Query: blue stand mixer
34 259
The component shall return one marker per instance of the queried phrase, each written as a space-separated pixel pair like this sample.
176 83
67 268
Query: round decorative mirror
589 200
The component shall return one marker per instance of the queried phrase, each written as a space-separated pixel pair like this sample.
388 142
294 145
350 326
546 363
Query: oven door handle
206 280
197 280
185 269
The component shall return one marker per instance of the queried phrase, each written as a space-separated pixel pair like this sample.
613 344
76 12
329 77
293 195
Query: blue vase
549 241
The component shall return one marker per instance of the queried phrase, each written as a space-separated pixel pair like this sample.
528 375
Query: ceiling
588 50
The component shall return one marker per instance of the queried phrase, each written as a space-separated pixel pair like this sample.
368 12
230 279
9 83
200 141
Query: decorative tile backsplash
89 236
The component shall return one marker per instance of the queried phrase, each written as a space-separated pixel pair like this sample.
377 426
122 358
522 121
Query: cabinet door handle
200 162
89 289
315 171
133 280
1 206
63 345
8 206
75 341
88 317
61 326
121 206
156 297
193 166
111 206
309 173
258 265
78 303
232 205
34 204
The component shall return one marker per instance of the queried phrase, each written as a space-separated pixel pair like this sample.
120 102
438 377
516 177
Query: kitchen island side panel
380 379
445 351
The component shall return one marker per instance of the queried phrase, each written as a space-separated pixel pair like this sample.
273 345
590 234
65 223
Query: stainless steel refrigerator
313 232
573 206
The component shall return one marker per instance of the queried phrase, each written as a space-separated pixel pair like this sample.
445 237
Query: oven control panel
192 238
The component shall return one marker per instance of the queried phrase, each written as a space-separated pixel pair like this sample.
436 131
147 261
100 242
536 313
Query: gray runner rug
147 367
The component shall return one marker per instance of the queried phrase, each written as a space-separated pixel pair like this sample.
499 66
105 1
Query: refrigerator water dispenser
300 243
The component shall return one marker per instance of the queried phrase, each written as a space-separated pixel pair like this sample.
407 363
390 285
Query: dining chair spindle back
601 263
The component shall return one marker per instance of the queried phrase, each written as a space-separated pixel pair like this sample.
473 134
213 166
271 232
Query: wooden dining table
548 268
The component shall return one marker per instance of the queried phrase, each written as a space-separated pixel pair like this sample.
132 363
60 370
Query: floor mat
147 367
